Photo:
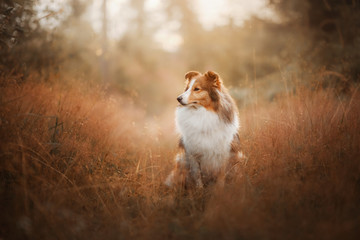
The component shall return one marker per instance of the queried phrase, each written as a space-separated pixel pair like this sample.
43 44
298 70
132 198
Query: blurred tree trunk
193 48
139 5
103 60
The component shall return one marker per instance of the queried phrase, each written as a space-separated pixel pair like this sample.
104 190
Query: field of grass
79 164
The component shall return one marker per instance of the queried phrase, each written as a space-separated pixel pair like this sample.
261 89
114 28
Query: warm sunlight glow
219 12
209 13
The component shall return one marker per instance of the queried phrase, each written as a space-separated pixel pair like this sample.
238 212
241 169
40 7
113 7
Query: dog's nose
179 99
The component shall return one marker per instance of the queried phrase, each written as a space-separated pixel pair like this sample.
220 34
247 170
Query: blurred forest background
147 58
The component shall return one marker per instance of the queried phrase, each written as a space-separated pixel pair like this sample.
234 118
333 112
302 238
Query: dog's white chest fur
205 136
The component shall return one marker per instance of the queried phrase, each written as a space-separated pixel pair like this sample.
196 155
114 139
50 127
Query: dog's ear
214 77
191 74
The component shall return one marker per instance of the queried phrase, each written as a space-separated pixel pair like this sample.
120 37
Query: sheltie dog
208 123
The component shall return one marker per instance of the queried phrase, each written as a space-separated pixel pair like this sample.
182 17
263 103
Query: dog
207 120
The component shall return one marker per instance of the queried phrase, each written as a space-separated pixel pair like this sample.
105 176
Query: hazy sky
210 13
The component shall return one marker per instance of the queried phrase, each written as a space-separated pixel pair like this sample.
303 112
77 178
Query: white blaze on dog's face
184 98
201 90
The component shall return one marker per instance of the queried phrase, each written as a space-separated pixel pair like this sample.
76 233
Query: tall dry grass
79 164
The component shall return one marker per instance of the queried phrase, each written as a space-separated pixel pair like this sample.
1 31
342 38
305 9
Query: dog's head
201 89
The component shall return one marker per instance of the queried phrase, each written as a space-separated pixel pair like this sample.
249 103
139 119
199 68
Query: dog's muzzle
179 100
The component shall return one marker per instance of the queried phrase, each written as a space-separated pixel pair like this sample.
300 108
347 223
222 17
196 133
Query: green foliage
332 30
25 45
15 19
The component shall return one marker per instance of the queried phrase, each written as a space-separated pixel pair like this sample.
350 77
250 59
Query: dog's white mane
206 135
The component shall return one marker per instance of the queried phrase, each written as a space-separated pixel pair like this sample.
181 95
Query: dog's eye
196 89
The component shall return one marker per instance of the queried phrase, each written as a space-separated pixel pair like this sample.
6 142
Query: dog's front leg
178 175
194 171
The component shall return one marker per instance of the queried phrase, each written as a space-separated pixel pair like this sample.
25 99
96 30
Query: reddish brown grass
81 165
